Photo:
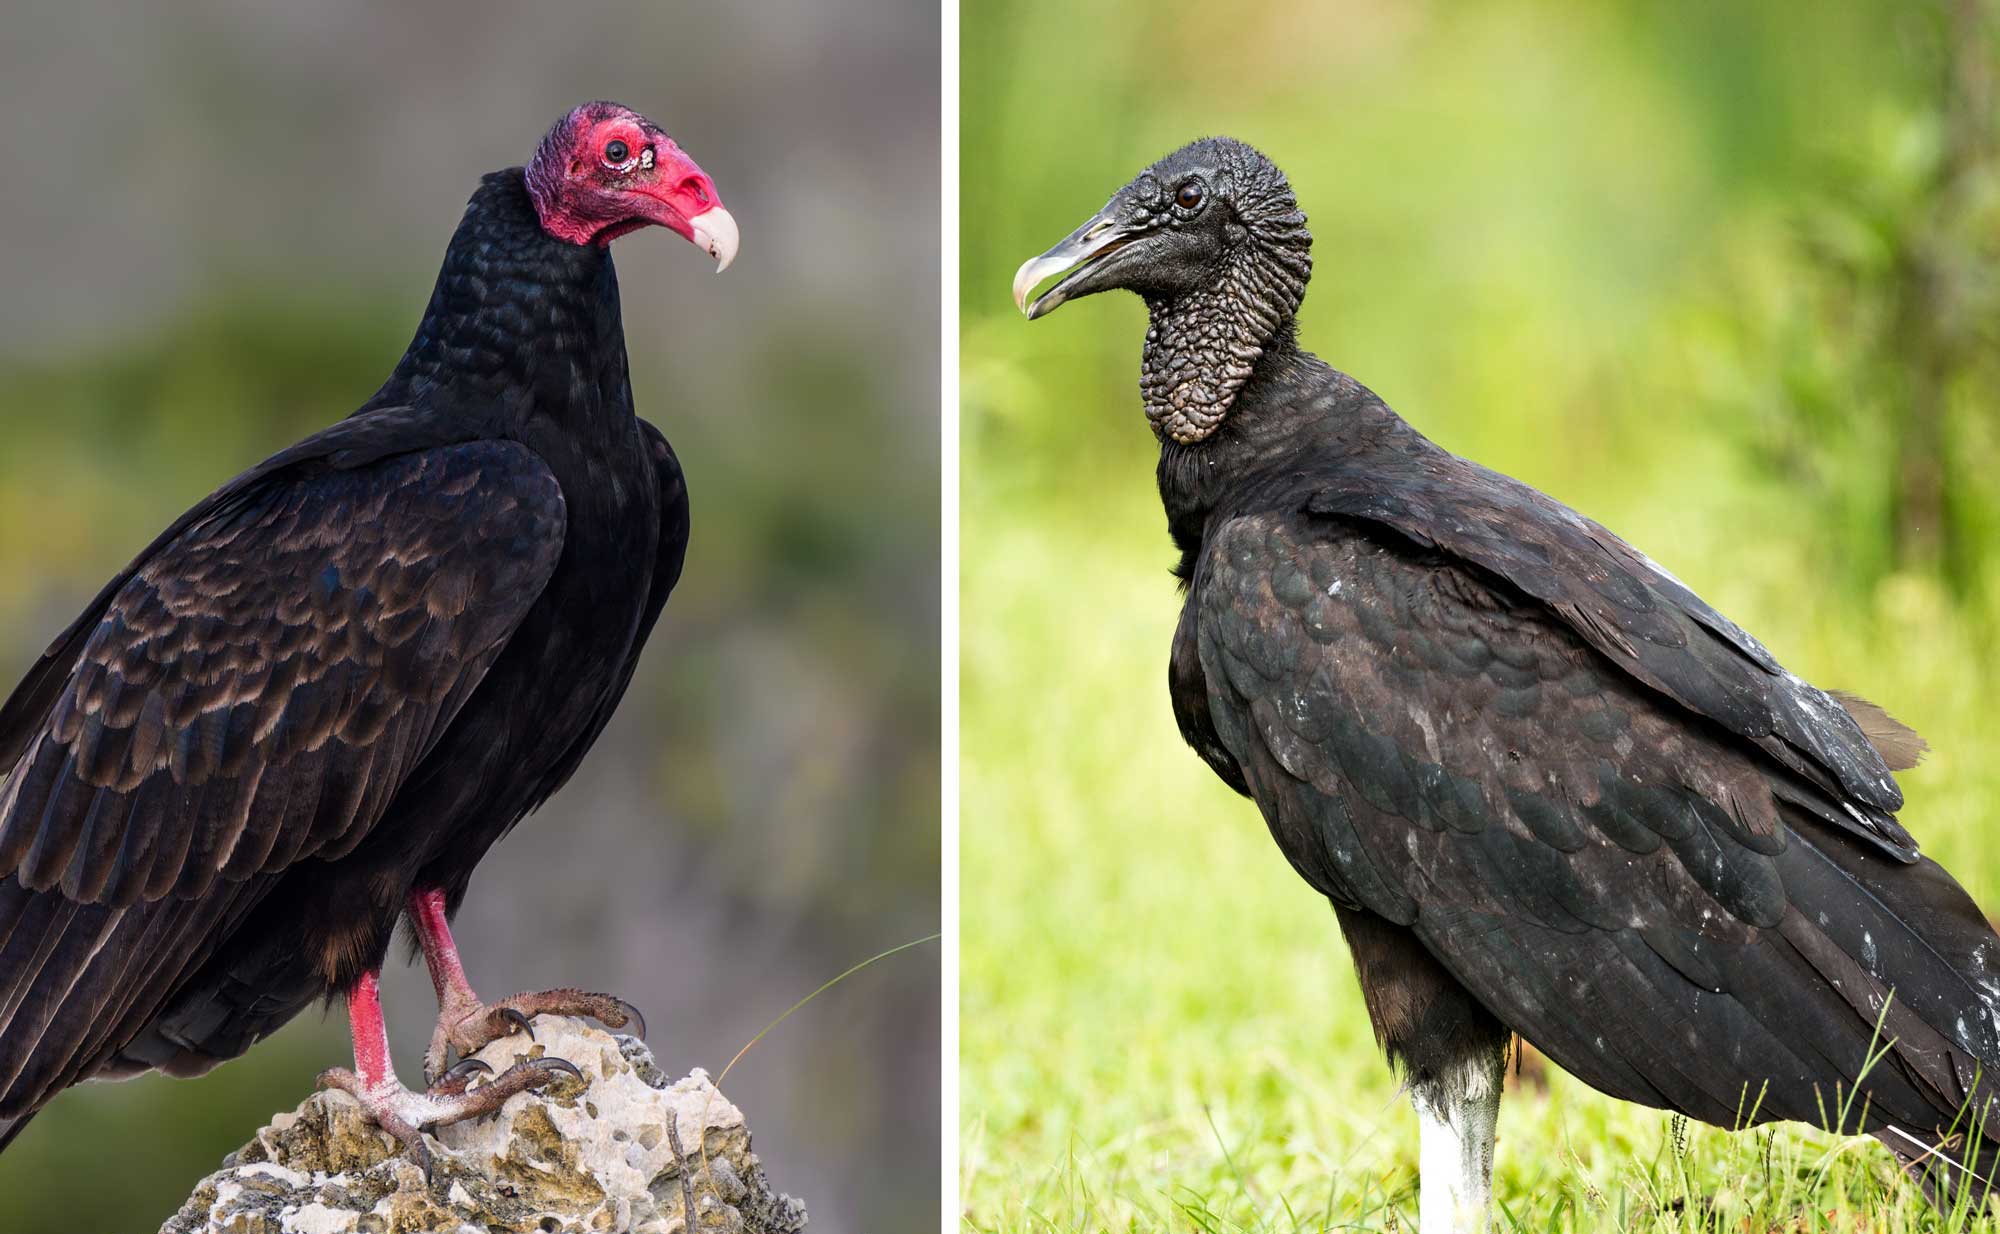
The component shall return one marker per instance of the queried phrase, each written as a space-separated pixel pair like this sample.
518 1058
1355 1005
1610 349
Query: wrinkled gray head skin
1214 242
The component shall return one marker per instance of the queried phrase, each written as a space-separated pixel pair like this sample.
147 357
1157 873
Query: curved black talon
635 1022
518 1020
559 1064
422 1152
467 1067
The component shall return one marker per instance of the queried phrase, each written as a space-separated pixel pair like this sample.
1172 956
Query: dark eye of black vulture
616 152
1188 196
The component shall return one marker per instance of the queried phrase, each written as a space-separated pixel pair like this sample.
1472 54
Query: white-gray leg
1458 1113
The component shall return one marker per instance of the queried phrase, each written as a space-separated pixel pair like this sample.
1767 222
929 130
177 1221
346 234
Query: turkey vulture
319 697
1548 790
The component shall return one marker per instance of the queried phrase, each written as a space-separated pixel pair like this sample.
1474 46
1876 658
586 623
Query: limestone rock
596 1157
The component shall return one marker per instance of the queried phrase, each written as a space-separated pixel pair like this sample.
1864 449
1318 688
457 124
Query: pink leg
370 1032
403 1113
465 1023
426 909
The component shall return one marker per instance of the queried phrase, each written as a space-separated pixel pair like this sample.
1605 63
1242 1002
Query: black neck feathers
1297 424
516 315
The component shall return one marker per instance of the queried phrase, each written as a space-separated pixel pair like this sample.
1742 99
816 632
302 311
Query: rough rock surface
574 1157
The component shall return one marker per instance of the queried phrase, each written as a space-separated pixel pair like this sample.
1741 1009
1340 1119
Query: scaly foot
465 1025
407 1115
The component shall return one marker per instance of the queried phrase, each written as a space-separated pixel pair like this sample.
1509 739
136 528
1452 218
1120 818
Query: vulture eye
1188 196
616 152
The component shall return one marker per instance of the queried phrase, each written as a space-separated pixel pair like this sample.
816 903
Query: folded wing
1630 884
259 687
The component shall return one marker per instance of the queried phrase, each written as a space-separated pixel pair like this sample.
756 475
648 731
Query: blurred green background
220 228
1721 275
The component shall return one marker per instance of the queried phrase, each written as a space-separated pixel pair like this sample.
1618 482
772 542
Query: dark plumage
1548 789
323 693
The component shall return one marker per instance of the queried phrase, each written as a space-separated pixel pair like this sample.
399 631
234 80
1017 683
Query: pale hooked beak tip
715 232
1056 261
1024 282
1089 242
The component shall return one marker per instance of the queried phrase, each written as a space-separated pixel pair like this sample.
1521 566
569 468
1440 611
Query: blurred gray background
218 226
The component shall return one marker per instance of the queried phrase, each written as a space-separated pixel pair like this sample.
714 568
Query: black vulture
1547 789
318 698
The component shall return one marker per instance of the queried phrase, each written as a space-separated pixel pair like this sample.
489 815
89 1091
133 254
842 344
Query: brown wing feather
1900 745
355 442
259 686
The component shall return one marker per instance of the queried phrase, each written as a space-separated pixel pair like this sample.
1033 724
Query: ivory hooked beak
715 231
